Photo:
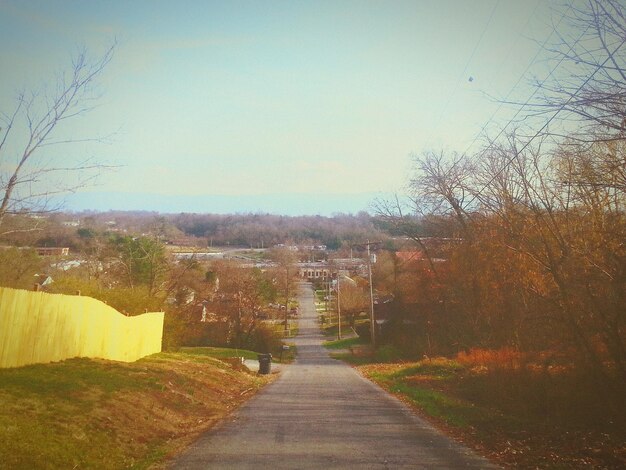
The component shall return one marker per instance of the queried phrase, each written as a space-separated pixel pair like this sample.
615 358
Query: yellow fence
36 327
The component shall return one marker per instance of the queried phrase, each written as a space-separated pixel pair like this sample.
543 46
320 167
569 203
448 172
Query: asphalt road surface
321 413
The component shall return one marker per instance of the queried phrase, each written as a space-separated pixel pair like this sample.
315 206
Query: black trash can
265 363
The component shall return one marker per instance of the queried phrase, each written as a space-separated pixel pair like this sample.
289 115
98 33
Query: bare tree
587 90
26 171
354 300
284 272
239 300
402 218
441 185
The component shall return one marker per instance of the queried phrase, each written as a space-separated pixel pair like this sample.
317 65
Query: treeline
246 230
266 230
538 219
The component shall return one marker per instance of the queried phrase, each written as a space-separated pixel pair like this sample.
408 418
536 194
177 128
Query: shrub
124 299
493 359
265 339
388 353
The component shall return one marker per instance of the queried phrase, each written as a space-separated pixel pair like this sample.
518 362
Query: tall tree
353 299
142 260
284 273
239 300
29 176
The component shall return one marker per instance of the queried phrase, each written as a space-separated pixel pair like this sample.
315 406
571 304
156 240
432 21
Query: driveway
321 413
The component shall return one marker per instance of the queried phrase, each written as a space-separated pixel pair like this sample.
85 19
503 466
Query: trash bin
265 363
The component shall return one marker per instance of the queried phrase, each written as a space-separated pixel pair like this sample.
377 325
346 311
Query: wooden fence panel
37 327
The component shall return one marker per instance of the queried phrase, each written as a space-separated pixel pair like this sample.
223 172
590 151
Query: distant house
312 271
53 251
314 248
350 266
42 281
287 247
182 241
67 265
415 256
206 315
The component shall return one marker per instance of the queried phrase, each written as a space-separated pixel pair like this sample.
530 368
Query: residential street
322 414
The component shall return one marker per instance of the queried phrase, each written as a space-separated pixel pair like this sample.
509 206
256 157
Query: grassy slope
345 343
225 353
85 413
221 352
510 430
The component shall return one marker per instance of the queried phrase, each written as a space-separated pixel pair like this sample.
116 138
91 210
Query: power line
464 72
571 47
561 108
554 28
513 43
530 64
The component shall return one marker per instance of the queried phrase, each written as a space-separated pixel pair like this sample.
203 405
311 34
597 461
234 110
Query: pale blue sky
251 98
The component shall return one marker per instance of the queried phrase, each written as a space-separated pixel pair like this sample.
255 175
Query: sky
279 101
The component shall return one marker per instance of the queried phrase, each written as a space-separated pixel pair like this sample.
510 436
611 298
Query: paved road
322 414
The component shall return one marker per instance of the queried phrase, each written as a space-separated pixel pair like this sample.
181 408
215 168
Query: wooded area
531 275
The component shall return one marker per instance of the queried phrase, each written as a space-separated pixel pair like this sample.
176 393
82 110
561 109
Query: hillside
83 413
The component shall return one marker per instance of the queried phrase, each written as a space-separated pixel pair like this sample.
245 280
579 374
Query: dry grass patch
84 413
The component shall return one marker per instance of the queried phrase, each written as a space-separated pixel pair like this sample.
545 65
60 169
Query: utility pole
338 309
369 272
332 266
372 319
328 296
287 302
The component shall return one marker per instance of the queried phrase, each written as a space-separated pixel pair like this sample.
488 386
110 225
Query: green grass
352 359
228 353
48 426
220 352
29 445
346 343
435 403
45 408
71 376
437 369
440 405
